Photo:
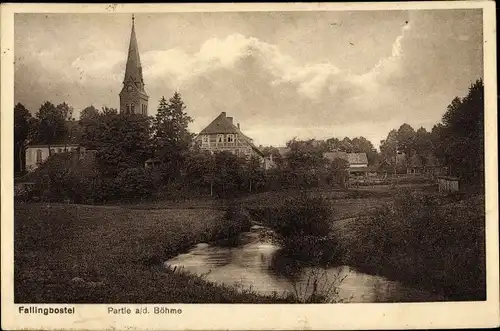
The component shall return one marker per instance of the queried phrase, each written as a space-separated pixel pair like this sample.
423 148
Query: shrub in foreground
302 227
421 240
232 224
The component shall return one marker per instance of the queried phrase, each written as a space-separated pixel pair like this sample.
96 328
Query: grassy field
99 254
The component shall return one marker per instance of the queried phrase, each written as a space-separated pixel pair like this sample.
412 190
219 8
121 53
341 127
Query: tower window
132 107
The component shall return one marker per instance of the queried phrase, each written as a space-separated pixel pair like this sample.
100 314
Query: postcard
265 166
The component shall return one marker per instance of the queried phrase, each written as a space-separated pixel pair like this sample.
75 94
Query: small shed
152 164
448 184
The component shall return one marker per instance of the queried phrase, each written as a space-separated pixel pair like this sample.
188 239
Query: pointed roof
133 69
223 125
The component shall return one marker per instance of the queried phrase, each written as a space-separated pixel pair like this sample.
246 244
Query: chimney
223 114
230 119
238 126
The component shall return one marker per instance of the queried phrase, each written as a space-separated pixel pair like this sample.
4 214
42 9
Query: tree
171 137
89 113
423 144
254 173
66 111
406 140
228 174
304 155
89 121
122 141
338 170
22 129
51 124
199 170
346 145
109 111
459 138
389 147
332 144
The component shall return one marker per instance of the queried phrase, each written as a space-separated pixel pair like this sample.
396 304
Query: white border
253 317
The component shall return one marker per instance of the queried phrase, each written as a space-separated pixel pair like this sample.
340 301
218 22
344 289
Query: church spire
133 97
133 69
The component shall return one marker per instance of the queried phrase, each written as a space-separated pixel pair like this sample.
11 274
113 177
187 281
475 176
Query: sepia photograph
314 157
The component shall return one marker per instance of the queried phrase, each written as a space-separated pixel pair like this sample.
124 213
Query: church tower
133 97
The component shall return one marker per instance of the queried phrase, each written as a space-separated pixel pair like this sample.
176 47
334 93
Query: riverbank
108 254
431 241
438 248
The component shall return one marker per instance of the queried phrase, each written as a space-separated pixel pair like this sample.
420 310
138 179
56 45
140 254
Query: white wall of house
37 154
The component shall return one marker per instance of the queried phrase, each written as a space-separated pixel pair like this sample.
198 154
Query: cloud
275 89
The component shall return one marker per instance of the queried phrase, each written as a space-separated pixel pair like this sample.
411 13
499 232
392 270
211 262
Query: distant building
37 154
358 162
133 97
222 135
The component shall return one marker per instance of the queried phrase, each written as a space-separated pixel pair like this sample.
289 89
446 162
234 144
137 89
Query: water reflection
261 265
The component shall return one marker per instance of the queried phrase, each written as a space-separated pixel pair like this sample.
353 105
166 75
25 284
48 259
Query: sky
279 74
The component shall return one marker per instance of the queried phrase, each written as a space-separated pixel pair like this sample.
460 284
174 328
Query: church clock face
129 88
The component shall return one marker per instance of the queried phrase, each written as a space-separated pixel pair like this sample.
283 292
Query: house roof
357 158
223 125
352 158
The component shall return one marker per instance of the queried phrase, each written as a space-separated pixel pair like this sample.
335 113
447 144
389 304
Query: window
39 156
230 138
52 151
220 138
132 108
59 150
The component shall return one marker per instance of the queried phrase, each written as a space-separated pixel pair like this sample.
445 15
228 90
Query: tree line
457 142
125 141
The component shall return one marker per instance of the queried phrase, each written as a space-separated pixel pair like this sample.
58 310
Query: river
258 264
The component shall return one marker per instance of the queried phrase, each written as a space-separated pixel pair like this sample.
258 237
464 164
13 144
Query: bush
135 183
232 224
65 177
302 227
429 240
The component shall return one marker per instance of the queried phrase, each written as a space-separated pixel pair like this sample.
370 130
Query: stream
258 264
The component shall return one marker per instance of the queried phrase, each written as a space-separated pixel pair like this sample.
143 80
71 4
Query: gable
224 125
